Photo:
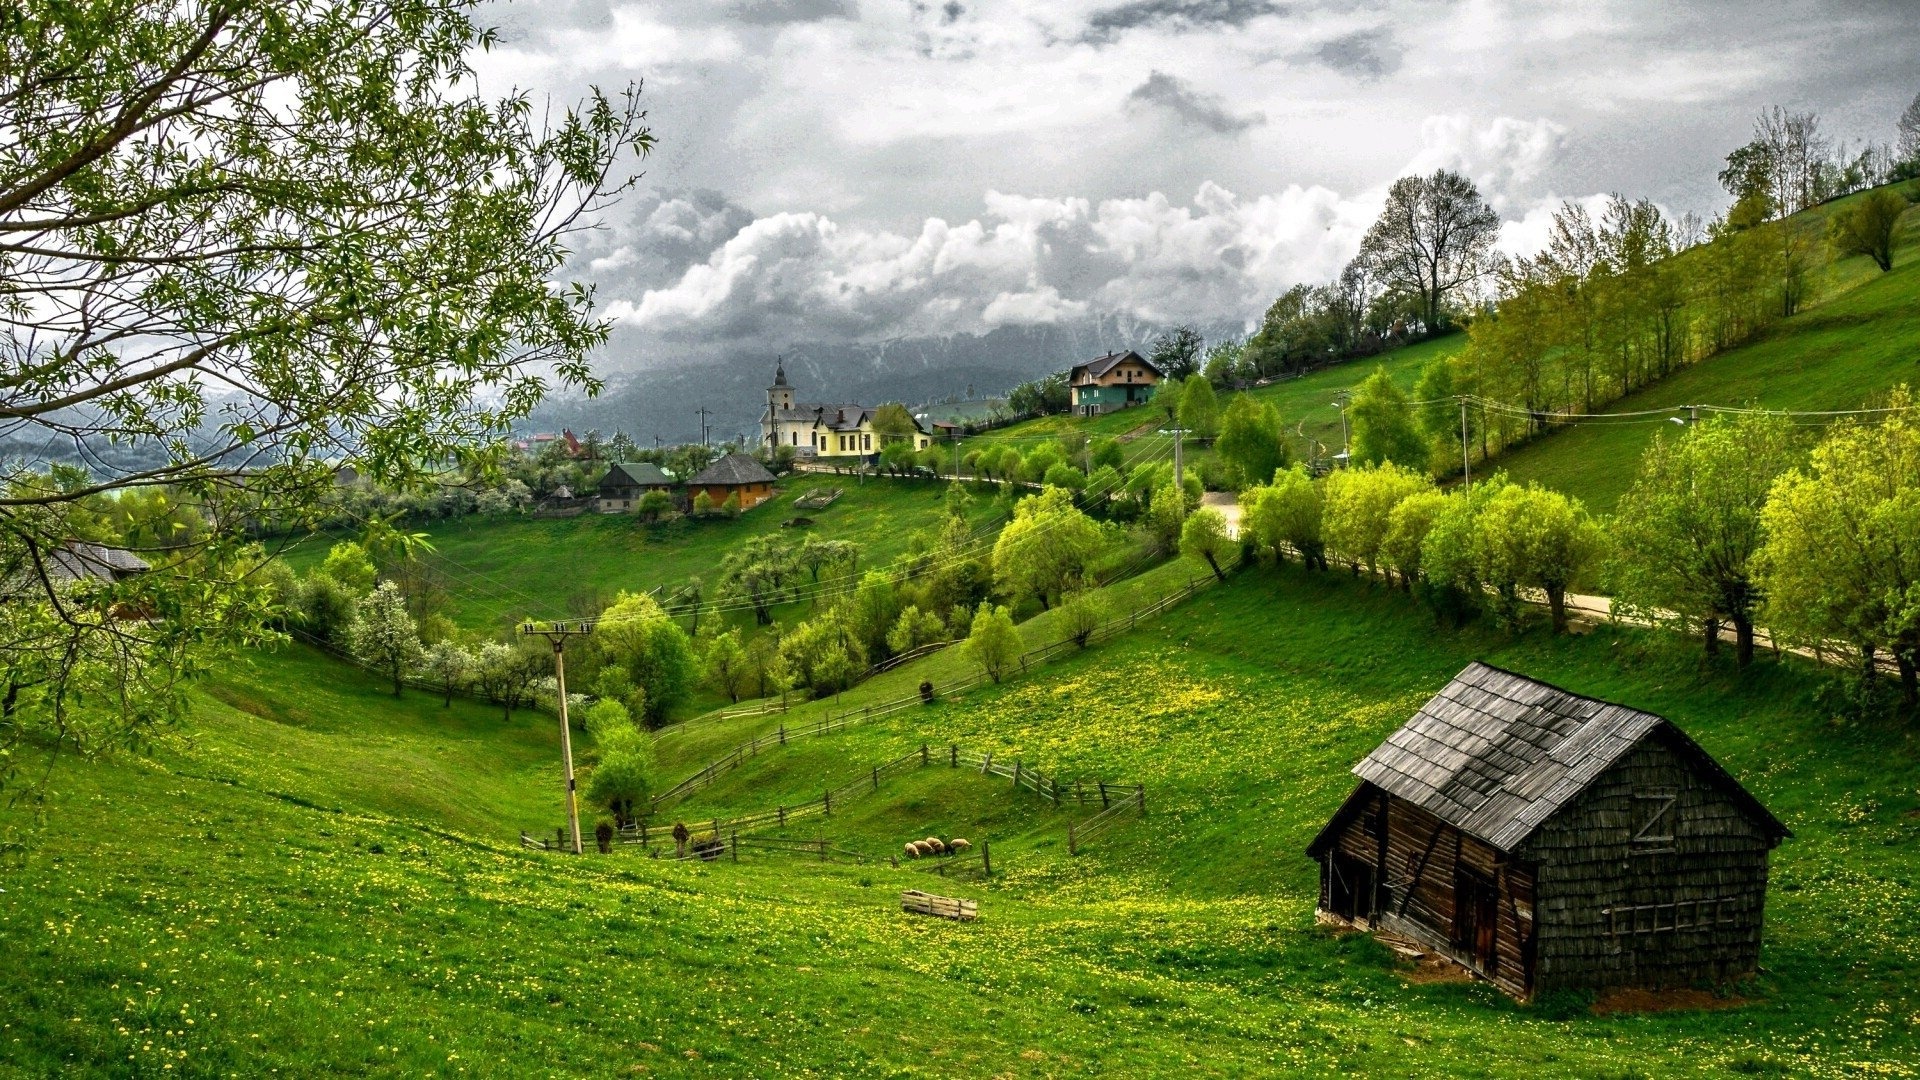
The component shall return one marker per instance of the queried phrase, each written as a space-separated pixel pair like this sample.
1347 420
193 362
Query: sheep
939 846
958 844
912 850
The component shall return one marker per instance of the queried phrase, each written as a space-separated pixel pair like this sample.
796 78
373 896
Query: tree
1687 531
1533 537
824 653
1167 397
1204 539
1453 560
915 628
349 564
1065 477
759 572
242 235
994 641
623 778
383 635
1199 408
893 423
1866 227
654 505
1407 527
1046 548
505 672
1166 515
1839 559
1251 442
634 635
898 457
1907 133
872 611
1434 237
1082 613
1286 514
1382 424
726 665
1359 509
1177 353
448 664
702 504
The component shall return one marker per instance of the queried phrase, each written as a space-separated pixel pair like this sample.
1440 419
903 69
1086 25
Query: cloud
1178 15
1191 104
1365 54
1504 157
779 12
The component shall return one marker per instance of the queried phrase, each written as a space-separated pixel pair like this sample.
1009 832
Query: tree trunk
1909 681
448 703
1743 636
1216 567
1557 606
1712 638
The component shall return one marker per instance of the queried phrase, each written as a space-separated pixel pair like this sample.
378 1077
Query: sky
871 170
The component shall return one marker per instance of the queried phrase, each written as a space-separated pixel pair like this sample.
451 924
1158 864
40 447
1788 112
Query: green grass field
499 571
1860 338
322 881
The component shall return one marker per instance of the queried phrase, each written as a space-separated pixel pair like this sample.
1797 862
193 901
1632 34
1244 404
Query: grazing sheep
912 850
958 844
939 846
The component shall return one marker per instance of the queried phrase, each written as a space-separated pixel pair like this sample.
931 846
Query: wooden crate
945 907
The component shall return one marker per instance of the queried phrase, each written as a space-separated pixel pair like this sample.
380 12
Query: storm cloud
1194 106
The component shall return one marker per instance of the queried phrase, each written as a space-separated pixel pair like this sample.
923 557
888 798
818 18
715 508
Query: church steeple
780 394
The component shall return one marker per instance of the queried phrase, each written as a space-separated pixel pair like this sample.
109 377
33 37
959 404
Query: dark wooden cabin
1547 840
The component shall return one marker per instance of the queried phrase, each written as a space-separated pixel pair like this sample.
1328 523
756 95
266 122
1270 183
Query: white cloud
1504 158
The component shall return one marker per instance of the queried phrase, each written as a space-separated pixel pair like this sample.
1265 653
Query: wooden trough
945 907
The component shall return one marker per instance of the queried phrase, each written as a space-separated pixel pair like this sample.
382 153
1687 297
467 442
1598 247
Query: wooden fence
832 722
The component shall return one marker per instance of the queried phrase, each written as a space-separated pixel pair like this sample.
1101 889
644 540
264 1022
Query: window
866 442
1628 920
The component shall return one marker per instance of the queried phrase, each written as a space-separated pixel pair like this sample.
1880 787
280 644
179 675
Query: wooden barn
1547 840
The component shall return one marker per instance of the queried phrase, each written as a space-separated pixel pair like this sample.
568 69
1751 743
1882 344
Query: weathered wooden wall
1648 912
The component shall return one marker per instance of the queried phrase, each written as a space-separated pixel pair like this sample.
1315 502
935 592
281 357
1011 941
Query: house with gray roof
626 482
1547 840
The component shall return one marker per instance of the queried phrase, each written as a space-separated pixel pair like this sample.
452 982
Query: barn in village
1547 840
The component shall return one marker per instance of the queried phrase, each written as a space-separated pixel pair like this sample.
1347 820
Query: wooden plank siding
1622 905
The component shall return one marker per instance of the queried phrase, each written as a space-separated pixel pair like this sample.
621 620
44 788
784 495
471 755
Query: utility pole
557 633
704 412
1178 459
956 453
1466 458
1346 443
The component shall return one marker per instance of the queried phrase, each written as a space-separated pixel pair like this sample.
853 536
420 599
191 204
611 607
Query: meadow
277 893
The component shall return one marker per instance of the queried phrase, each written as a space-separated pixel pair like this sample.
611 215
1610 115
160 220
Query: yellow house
812 429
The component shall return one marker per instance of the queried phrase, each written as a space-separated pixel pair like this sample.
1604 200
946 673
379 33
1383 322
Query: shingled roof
78 560
1100 365
733 470
636 474
1495 754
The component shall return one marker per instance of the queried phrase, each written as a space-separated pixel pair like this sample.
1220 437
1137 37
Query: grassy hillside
210 911
499 571
1305 404
1860 338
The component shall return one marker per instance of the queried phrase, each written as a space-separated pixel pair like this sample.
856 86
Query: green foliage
1105 452
635 636
349 564
824 653
1177 353
324 608
1287 514
1432 239
1359 506
1082 613
1383 425
449 664
1840 559
915 628
1251 443
872 612
993 642
1533 537
1199 408
622 780
1867 226
725 662
1453 556
1203 538
702 504
893 422
1686 533
1046 548
1407 527
1166 515
383 635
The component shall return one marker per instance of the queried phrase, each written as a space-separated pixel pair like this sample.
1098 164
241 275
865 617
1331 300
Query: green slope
208 887
1861 340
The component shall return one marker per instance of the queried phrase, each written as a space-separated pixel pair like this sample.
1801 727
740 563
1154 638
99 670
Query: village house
733 476
823 430
1546 840
627 482
1114 381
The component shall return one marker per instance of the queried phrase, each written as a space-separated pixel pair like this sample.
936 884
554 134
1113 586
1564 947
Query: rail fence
832 722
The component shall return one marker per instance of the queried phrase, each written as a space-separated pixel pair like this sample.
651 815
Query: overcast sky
833 170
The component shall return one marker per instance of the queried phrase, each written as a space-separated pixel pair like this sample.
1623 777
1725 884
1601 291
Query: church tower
780 394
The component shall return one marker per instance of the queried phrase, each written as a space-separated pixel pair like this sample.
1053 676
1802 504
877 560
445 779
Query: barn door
1352 888
1476 917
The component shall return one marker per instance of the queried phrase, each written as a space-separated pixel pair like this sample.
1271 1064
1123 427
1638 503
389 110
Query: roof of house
637 474
77 560
1100 365
732 470
1496 754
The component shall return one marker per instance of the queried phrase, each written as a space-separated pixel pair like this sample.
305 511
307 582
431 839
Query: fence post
1103 795
953 756
1140 798
525 840
560 837
1073 846
823 849
826 804
1016 772
923 755
1053 789
783 817
734 843
643 832
876 778
1080 790
783 733
986 763
716 828
986 857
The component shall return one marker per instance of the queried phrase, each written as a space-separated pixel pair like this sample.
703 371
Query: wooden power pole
557 634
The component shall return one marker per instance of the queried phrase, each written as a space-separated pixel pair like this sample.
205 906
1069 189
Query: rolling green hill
324 881
1859 339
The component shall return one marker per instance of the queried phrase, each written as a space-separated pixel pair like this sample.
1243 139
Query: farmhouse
1547 840
823 430
734 476
624 484
1113 381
